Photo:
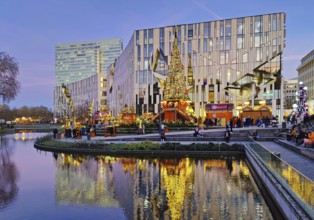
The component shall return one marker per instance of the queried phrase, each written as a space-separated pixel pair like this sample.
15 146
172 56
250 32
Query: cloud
207 9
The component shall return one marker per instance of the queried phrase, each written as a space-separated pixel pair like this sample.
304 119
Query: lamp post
159 110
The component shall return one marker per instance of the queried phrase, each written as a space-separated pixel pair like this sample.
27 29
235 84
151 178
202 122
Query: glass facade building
225 61
76 63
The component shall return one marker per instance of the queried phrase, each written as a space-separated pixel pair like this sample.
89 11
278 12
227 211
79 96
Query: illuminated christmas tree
175 85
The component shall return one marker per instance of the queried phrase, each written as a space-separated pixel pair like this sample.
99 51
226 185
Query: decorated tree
175 85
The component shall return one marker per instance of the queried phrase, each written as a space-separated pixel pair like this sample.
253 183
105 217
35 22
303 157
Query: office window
206 30
189 46
274 22
162 35
190 30
228 43
222 58
258 40
210 44
150 36
258 24
137 37
240 26
259 54
228 28
205 45
222 29
240 42
142 77
279 22
145 36
222 44
138 51
150 50
245 58
145 50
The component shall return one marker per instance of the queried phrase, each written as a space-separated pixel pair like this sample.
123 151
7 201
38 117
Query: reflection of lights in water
23 136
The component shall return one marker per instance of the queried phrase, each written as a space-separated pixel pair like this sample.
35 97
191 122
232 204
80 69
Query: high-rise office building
225 61
81 67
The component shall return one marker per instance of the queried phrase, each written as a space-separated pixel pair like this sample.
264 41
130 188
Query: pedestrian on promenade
227 134
231 124
55 132
143 129
162 136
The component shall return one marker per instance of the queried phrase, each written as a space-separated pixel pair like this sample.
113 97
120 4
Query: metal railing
299 187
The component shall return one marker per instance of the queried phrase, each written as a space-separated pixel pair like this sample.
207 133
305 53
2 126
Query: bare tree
9 86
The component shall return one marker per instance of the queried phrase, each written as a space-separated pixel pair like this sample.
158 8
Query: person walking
231 124
143 128
55 132
227 134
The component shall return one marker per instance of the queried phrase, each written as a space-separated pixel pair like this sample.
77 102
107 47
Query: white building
306 75
232 61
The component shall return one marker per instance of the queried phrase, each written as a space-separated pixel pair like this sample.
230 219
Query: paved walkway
303 164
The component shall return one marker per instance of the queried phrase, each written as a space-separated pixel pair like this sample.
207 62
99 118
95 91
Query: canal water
43 185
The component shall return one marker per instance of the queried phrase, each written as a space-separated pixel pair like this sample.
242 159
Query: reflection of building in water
83 181
161 188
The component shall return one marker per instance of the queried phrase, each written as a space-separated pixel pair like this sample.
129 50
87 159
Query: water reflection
8 175
155 188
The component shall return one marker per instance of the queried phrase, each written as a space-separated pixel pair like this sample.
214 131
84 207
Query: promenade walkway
300 162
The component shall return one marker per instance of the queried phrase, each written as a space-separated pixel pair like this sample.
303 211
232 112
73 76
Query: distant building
225 61
289 90
306 75
81 67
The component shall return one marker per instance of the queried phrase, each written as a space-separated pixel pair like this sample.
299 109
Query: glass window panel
205 45
240 42
189 46
145 63
145 50
138 51
161 35
221 29
257 40
228 43
245 58
274 22
258 24
240 26
222 58
228 28
222 44
210 44
190 30
150 50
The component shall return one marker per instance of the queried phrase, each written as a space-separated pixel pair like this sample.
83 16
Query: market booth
222 111
249 112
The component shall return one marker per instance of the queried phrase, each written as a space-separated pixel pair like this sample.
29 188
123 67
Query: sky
30 29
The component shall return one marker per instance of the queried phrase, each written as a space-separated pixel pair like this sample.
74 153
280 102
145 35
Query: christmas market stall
221 112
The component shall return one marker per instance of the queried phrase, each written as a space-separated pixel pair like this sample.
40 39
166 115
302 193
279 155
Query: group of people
198 132
73 132
300 135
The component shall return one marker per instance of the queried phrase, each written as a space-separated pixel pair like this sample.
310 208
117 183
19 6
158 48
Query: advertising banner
219 107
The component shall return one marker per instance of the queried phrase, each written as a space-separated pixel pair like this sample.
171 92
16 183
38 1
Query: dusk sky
30 29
